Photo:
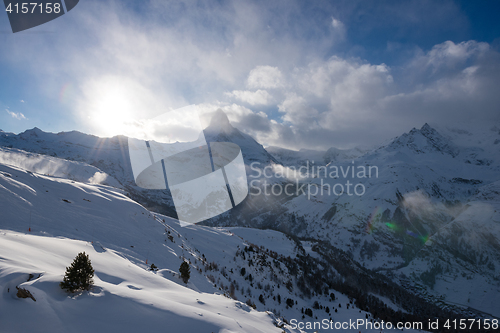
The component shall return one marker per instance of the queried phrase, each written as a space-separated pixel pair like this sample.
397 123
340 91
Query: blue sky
297 74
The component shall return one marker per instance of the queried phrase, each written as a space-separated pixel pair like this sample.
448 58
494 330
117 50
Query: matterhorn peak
219 123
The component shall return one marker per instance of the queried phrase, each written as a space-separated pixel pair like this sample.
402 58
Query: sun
111 113
112 103
120 105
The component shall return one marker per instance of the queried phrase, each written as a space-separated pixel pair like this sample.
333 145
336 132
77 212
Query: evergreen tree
79 275
185 273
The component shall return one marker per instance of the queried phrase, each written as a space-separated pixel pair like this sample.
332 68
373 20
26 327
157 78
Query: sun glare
116 105
111 114
113 103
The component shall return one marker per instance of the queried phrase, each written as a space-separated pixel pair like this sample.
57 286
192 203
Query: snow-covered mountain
460 262
236 273
417 187
422 188
421 184
221 130
111 155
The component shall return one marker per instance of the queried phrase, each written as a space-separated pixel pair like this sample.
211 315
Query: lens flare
422 238
392 226
412 234
371 222
66 93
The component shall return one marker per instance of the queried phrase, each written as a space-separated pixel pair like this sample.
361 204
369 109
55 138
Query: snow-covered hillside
47 220
111 155
125 296
422 185
460 262
57 167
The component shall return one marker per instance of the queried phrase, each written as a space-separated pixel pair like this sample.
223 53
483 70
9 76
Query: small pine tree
79 275
185 273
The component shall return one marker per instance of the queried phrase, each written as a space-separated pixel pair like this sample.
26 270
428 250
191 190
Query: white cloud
342 102
446 59
259 97
449 54
273 64
298 112
334 94
339 29
264 77
116 104
16 115
336 23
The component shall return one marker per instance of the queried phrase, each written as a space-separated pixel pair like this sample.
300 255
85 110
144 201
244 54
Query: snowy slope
465 268
110 155
424 186
424 181
119 235
46 221
125 298
56 167
428 173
